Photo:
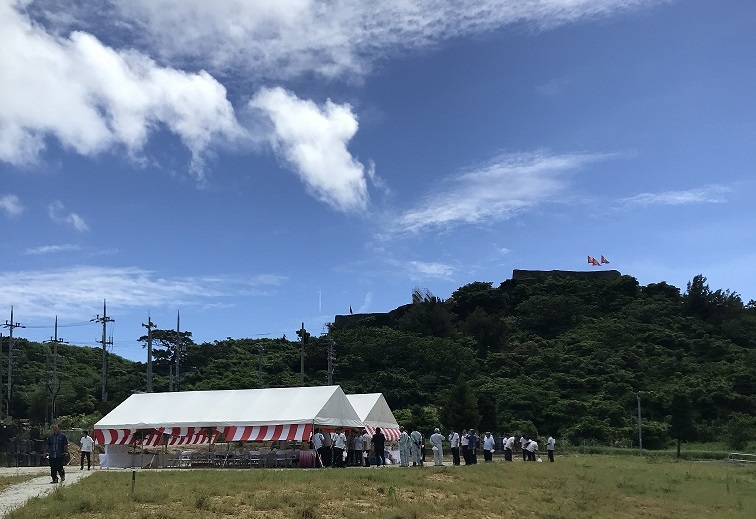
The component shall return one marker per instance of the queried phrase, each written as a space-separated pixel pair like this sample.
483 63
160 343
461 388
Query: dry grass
574 487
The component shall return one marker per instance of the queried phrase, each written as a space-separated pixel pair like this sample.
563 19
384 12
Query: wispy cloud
52 249
495 191
286 38
419 270
711 194
11 204
77 292
313 140
58 214
553 87
367 303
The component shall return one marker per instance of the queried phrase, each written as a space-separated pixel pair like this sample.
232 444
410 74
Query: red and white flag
604 260
595 262
590 260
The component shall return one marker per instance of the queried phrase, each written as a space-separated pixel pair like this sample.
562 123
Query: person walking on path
405 446
550 448
57 448
437 444
417 441
86 449
489 444
454 442
379 445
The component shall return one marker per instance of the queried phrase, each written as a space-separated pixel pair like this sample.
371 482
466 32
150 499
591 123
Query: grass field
573 487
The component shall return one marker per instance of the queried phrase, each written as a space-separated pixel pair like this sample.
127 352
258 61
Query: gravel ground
16 495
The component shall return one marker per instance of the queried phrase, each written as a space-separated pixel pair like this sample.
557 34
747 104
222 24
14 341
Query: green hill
548 353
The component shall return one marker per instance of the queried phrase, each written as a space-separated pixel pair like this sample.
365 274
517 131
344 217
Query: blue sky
257 165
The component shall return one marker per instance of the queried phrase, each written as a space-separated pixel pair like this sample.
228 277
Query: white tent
242 415
373 409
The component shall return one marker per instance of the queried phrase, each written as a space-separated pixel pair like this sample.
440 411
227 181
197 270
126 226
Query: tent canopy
373 409
281 409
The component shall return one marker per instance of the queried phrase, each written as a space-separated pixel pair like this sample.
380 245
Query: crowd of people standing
359 448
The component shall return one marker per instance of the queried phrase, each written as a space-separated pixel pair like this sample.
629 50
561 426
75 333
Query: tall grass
576 486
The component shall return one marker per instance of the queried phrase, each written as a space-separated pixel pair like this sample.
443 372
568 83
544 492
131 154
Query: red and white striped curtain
390 434
199 435
154 437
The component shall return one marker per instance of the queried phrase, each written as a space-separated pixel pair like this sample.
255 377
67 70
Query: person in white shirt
509 448
317 444
489 444
523 444
437 441
339 445
454 441
532 450
367 445
550 447
465 442
86 449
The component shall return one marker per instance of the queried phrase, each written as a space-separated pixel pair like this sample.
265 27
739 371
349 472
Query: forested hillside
563 355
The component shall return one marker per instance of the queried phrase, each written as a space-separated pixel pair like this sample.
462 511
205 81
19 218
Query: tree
460 408
682 427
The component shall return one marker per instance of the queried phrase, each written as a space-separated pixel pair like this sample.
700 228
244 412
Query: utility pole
302 331
11 325
331 359
55 383
260 352
105 342
1 378
176 386
150 325
640 430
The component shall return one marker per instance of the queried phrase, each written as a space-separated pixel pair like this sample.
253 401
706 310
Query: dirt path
16 495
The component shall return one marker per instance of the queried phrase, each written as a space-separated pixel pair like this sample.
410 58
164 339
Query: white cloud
91 97
285 38
424 270
313 141
367 303
77 292
52 249
58 214
11 204
701 195
498 190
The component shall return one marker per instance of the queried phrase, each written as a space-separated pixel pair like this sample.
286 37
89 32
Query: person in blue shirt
471 446
57 448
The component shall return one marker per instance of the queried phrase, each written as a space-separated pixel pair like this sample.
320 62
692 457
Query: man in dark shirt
57 448
379 444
